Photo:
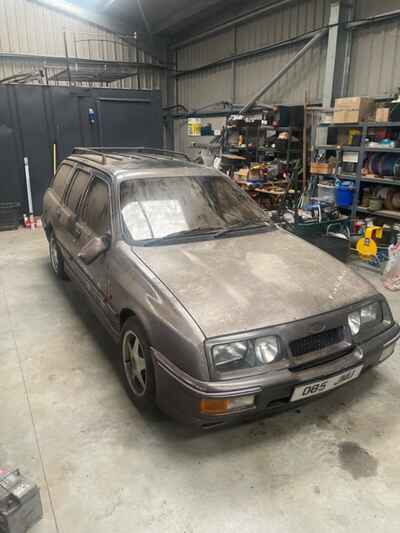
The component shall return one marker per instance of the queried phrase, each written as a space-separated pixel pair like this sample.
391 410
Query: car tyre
137 365
56 258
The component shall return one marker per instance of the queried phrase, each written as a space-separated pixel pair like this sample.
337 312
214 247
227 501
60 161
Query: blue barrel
344 194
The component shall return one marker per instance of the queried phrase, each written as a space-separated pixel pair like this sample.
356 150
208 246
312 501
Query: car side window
96 213
77 189
62 179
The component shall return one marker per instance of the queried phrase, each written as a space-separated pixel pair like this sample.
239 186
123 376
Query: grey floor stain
357 460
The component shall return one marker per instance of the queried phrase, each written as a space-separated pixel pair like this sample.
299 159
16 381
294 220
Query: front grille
314 343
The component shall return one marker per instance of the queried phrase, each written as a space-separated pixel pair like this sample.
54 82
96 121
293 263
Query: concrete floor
66 422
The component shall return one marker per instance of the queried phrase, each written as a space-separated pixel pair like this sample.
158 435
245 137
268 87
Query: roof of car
138 162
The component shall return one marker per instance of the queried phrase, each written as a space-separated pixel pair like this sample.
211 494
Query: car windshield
162 208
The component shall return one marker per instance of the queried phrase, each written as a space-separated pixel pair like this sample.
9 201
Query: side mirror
94 248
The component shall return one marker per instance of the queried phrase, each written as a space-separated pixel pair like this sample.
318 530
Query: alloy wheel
55 262
134 363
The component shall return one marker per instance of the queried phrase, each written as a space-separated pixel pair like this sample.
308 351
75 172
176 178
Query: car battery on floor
20 504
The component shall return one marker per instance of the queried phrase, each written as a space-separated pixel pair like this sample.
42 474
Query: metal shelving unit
385 213
361 150
291 152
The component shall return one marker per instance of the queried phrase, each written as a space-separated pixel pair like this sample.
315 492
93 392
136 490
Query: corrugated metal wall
29 28
306 75
251 73
375 58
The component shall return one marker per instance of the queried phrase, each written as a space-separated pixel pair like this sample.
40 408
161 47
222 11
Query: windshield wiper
239 227
183 233
216 232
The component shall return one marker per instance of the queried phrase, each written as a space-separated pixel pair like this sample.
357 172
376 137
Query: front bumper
179 395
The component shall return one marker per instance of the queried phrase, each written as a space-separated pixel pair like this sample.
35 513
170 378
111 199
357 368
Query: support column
234 35
338 53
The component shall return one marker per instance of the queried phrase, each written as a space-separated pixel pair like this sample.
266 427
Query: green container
310 230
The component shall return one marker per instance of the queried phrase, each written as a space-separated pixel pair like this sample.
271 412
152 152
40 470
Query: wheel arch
48 229
126 313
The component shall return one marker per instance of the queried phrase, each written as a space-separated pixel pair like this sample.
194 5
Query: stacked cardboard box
382 114
322 168
353 110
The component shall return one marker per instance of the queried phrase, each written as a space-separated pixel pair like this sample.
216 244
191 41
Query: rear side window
61 179
78 187
97 208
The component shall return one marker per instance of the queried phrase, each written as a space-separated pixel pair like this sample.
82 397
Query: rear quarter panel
50 204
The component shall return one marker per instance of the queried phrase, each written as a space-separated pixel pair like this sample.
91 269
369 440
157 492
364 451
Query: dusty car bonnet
252 281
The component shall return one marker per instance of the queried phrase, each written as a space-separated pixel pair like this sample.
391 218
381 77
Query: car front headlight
354 321
364 316
246 354
370 313
267 349
229 354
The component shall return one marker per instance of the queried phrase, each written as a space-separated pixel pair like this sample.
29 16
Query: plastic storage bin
9 215
344 194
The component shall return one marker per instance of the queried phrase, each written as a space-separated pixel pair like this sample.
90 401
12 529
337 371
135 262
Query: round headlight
267 349
224 354
369 313
354 321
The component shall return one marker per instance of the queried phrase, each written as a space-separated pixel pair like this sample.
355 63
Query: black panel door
11 161
36 142
66 116
129 122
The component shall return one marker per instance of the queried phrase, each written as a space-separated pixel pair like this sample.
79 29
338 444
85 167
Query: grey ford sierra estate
219 314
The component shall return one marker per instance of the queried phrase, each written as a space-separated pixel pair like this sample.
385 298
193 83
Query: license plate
318 387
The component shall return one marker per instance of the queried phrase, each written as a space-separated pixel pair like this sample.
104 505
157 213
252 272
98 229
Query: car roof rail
95 151
126 151
123 152
159 151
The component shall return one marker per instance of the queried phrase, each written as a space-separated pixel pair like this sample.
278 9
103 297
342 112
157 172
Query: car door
95 221
68 233
53 209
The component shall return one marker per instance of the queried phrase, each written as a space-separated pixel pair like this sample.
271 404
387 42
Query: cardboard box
322 168
353 110
250 173
382 114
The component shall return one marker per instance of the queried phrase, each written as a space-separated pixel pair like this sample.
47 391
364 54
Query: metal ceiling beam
144 18
249 53
232 22
60 60
179 16
283 70
382 17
